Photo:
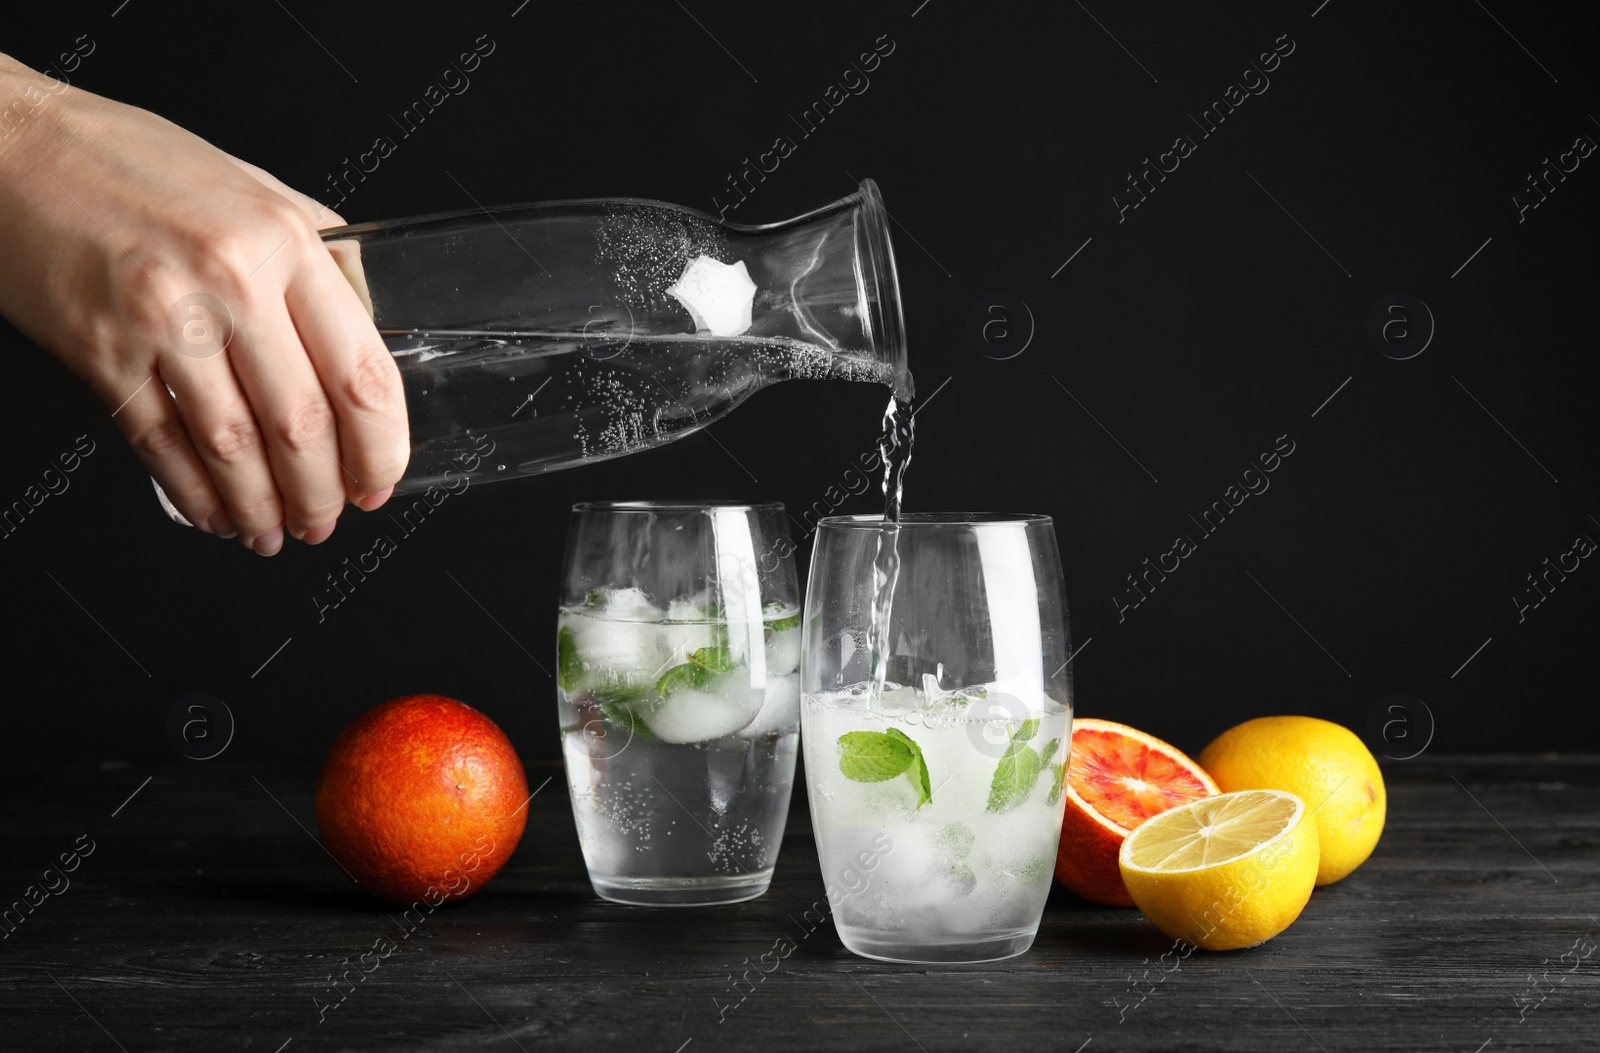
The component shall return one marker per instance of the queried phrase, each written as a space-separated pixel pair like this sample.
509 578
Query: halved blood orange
1117 777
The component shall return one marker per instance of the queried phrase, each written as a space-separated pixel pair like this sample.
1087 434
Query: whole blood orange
422 800
1117 777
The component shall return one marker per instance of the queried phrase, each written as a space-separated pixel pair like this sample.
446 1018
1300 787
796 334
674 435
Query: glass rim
677 506
929 519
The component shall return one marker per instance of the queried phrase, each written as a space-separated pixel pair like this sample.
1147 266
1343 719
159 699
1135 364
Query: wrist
34 132
27 101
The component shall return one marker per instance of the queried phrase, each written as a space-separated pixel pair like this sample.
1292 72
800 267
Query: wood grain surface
208 917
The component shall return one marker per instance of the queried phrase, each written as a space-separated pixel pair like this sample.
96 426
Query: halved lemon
1223 872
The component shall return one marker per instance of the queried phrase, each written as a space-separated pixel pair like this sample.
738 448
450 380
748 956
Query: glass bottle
539 336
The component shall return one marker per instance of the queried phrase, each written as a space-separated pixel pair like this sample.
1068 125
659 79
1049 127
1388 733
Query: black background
1196 331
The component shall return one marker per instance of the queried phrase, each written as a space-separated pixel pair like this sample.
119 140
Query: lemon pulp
1213 830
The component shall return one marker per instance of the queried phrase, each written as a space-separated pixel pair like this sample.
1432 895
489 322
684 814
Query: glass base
901 948
681 892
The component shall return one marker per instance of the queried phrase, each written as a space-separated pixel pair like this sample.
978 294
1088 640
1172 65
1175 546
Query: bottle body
536 337
534 402
556 334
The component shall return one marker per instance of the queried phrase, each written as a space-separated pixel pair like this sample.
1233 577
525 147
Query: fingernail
317 535
221 525
269 543
374 499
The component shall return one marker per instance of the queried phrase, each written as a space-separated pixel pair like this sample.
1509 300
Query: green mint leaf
568 667
783 625
624 716
919 778
955 839
1014 777
965 879
905 740
873 756
918 769
690 674
959 700
1060 772
1031 870
1029 729
698 672
596 598
623 691
715 658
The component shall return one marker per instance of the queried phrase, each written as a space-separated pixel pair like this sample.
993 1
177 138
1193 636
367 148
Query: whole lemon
1321 762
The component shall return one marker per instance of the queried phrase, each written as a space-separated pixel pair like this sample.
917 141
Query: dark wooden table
207 917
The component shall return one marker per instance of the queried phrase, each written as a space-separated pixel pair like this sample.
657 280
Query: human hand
147 259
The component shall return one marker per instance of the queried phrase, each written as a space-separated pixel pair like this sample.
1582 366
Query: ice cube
896 700
688 630
738 688
694 715
917 879
708 709
617 650
629 603
783 652
780 712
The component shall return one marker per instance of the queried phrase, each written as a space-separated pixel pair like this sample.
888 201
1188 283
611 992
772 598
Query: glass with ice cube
678 645
948 779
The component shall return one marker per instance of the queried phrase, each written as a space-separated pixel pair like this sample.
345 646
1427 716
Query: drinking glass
937 804
678 644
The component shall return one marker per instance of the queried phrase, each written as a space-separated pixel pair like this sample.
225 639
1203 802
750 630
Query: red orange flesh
1117 777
